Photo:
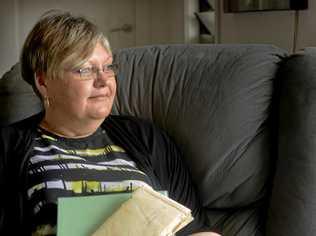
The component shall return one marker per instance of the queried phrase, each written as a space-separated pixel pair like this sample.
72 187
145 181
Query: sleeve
10 222
2 185
174 176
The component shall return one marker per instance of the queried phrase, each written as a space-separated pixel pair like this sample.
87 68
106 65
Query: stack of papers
143 212
148 213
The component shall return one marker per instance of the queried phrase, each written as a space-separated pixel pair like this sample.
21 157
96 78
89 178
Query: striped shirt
61 167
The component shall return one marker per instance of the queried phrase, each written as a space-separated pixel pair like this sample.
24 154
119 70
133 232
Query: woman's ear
40 83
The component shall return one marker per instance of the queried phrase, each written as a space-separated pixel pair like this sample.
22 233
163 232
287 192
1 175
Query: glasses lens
112 68
86 72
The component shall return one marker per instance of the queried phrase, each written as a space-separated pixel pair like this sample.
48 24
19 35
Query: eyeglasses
92 72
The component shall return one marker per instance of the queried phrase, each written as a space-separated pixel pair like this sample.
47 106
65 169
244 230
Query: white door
109 15
17 17
126 23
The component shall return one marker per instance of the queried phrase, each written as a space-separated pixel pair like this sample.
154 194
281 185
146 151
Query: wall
8 37
153 21
307 29
275 27
159 22
19 16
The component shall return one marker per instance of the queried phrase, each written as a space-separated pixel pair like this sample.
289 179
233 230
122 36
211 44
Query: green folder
82 216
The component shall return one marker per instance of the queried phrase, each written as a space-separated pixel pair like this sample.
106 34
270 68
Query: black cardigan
148 146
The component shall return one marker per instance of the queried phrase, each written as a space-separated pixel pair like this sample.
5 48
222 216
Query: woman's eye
110 68
85 71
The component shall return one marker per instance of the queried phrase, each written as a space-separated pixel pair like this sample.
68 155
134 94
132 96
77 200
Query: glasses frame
93 72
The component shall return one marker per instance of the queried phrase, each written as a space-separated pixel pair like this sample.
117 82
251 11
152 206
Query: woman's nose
102 78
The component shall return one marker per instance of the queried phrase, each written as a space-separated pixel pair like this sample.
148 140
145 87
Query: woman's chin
100 114
99 110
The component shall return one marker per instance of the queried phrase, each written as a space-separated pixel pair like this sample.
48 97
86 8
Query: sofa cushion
18 101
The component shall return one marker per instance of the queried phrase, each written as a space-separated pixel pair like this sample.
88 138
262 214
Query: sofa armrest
293 201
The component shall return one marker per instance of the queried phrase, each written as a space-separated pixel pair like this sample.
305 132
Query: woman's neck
70 129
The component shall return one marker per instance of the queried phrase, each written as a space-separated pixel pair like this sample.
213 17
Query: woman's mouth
98 97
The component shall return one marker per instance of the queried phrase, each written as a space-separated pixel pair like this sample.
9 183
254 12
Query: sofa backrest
17 98
215 102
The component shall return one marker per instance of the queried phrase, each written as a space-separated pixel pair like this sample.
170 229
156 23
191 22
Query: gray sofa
243 115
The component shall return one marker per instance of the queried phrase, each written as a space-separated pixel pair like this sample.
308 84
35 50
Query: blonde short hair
59 41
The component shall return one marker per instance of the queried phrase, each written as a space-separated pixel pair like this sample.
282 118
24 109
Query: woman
76 147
